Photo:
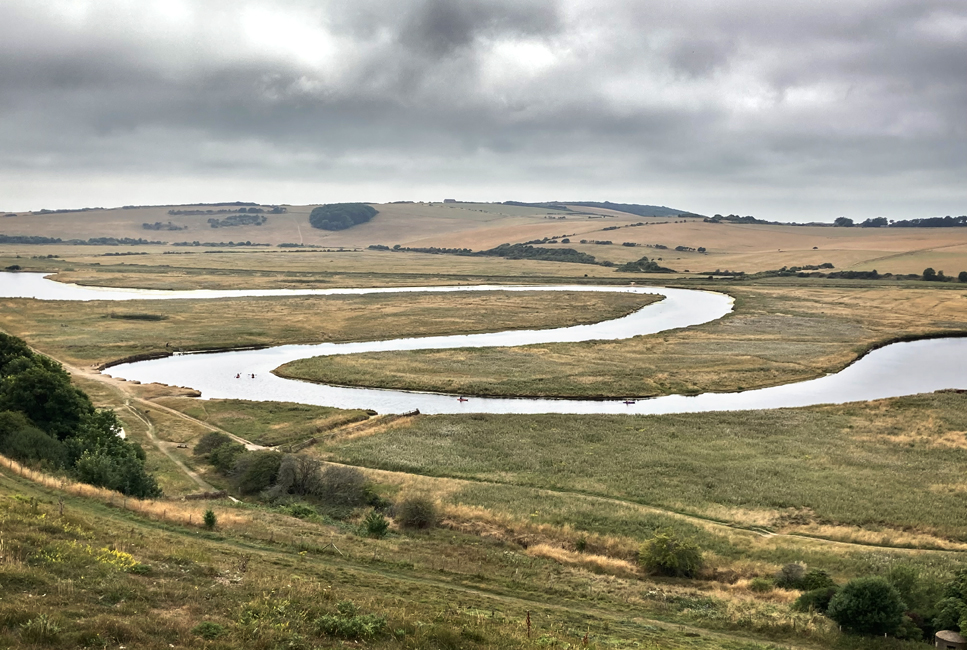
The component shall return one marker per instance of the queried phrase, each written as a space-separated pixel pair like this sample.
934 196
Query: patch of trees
65 210
528 252
734 218
929 222
217 244
46 421
238 220
157 225
340 216
930 275
432 250
551 240
932 222
644 265
93 241
509 251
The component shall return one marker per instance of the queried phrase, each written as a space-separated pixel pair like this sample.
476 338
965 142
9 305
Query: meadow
96 332
780 332
893 465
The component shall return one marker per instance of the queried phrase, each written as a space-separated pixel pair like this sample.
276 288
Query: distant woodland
340 216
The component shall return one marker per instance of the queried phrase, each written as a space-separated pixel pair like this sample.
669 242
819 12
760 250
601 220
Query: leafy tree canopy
340 216
868 606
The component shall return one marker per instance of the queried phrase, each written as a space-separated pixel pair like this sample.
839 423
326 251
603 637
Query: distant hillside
631 208
636 208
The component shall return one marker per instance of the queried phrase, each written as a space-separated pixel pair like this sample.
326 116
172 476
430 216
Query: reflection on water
898 369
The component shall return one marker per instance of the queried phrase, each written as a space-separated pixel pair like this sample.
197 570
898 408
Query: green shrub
224 457
815 600
761 585
376 525
790 576
909 630
39 630
210 442
344 486
299 510
22 441
816 579
348 624
868 606
210 519
256 471
950 611
666 554
417 512
208 630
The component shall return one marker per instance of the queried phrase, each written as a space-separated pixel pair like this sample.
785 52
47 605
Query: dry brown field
479 226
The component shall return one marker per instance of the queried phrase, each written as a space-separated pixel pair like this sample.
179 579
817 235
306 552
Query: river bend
891 371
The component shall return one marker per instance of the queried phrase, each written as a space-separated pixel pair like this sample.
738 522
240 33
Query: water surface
892 371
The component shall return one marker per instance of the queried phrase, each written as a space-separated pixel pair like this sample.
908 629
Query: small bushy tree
210 519
790 576
210 442
416 512
256 471
816 579
868 606
669 555
339 485
376 525
224 457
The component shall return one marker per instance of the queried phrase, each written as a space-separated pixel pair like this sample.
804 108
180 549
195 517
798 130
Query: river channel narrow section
892 371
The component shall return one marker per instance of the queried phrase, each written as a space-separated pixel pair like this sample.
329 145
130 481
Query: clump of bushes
669 555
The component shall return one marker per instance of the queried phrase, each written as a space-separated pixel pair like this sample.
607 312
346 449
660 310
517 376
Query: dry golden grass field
480 226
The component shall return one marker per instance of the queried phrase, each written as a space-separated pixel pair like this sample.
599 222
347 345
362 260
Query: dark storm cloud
691 103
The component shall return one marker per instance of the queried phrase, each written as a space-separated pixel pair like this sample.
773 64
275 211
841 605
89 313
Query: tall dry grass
171 511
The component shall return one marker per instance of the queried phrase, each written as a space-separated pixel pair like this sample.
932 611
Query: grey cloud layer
692 99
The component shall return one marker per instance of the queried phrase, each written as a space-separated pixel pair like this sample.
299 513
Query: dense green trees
644 265
868 606
45 420
340 216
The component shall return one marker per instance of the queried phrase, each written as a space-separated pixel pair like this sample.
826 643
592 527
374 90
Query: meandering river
891 371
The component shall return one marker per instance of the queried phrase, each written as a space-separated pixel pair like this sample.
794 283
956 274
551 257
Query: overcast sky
792 110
